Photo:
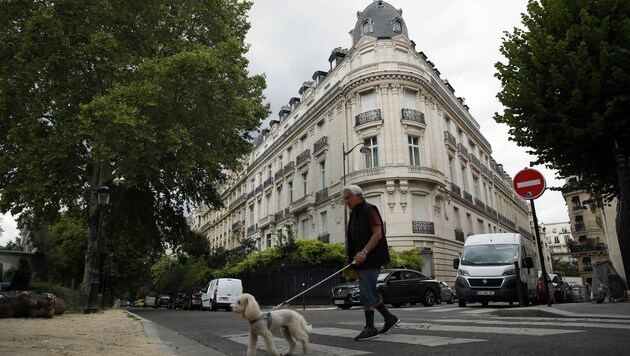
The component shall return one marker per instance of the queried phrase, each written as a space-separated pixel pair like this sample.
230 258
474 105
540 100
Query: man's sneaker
367 334
389 324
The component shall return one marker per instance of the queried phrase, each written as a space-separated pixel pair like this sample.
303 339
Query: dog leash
322 281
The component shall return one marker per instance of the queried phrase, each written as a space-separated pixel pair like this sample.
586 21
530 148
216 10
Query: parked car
447 295
177 301
541 291
561 289
402 286
163 300
140 303
345 295
124 303
151 302
192 299
220 293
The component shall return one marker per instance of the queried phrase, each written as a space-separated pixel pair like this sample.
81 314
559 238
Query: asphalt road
437 330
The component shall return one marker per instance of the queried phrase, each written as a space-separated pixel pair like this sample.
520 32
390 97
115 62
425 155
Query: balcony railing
325 237
268 182
480 204
321 195
577 248
450 138
468 196
491 211
237 225
580 227
475 160
463 148
423 227
319 144
289 167
280 215
588 269
367 117
279 173
413 115
459 235
251 195
303 157
252 229
238 201
456 189
259 189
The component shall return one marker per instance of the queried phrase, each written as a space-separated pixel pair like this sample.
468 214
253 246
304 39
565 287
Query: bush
75 299
405 259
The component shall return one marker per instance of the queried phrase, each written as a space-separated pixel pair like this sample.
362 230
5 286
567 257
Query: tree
147 96
566 87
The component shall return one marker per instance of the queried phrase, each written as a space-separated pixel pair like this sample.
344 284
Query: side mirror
456 263
529 262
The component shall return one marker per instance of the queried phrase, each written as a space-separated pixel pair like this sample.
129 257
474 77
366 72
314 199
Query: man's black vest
360 235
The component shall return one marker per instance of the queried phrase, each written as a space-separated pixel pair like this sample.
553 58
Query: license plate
340 302
224 298
485 292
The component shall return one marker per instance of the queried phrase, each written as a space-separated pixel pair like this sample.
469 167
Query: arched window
367 27
397 26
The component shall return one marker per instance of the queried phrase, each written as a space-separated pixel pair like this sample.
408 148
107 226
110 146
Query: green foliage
566 86
286 239
316 252
74 299
169 275
405 259
567 269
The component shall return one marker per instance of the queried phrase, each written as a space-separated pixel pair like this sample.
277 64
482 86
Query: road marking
476 311
313 349
562 323
564 320
528 183
479 329
441 310
424 340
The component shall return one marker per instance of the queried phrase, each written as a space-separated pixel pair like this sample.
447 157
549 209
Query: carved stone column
404 188
390 186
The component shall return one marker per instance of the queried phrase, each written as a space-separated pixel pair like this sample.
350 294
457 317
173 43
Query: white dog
293 325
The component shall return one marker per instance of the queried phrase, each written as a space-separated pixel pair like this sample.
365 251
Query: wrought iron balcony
252 229
463 148
303 157
251 195
279 174
268 182
325 237
475 160
480 204
579 248
367 117
319 144
237 225
491 211
259 189
413 115
468 196
289 167
321 195
459 235
456 189
423 227
280 215
238 201
450 138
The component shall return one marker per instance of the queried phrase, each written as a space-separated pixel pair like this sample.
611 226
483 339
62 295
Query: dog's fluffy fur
293 325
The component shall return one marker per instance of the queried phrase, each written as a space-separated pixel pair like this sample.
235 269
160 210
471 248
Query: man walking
368 247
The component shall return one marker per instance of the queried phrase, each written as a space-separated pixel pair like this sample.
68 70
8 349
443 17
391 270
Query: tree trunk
30 304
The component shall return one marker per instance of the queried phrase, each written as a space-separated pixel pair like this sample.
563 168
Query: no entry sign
529 183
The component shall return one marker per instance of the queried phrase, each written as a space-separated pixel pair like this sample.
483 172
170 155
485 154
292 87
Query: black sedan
397 287
402 286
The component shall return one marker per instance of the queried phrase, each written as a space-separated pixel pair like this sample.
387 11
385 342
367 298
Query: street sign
529 184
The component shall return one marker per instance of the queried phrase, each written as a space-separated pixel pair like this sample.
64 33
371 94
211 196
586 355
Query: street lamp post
623 209
364 149
92 304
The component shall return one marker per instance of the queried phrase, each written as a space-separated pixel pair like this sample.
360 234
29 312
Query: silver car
446 294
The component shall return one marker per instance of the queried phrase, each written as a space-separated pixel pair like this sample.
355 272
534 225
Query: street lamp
364 149
102 195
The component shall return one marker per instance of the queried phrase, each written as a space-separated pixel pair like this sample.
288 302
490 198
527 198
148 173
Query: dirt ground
112 332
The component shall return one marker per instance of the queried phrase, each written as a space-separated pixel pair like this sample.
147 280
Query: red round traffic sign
529 183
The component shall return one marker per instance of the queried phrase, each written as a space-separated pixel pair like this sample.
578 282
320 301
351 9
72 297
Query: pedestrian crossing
438 332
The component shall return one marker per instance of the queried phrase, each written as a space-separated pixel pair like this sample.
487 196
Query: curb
545 311
173 343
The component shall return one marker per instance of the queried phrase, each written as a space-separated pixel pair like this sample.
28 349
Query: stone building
428 167
594 230
558 236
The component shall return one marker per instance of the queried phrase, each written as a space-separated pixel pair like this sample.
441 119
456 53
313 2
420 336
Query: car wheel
438 301
461 303
429 298
345 307
451 299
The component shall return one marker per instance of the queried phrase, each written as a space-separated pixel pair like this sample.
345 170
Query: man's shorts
369 294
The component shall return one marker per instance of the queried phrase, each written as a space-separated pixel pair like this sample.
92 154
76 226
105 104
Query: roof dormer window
367 26
397 26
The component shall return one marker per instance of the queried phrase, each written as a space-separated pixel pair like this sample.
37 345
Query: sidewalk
620 311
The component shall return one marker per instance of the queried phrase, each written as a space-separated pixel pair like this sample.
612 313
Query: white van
220 293
486 271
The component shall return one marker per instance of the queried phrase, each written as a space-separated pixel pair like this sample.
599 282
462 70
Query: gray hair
352 189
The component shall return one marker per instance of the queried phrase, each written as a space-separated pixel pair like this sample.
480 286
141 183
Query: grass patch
502 313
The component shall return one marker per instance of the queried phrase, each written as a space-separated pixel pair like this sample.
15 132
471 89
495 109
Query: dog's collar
263 317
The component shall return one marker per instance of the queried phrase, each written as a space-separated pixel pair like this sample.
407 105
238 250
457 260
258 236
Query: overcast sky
290 39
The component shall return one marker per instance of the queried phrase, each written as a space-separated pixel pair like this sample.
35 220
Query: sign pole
540 253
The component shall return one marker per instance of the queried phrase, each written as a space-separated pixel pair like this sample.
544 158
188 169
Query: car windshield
489 255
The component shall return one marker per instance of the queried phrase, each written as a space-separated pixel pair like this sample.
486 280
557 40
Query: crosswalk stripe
588 320
424 340
562 323
313 349
441 310
479 329
476 311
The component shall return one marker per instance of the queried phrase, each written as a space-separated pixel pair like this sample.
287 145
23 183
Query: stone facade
558 236
429 168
